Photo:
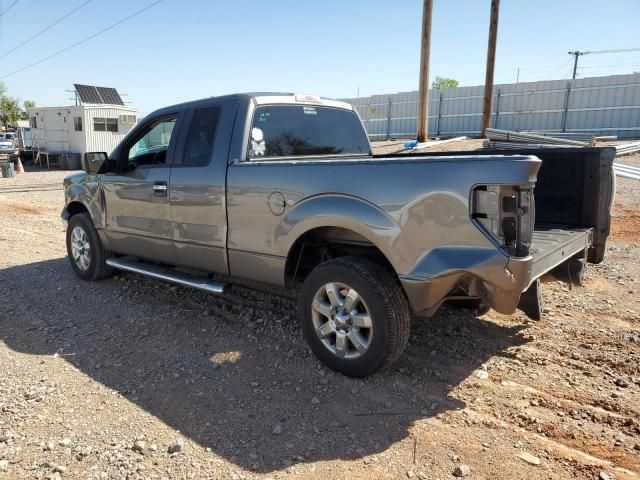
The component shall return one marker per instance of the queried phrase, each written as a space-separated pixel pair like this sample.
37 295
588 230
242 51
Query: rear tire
84 249
354 315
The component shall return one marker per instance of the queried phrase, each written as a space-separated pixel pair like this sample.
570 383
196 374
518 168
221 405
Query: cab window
199 144
305 130
150 146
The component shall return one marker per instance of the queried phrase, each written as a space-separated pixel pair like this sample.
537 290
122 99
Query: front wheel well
75 208
326 243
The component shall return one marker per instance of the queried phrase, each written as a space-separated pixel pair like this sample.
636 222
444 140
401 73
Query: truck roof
266 98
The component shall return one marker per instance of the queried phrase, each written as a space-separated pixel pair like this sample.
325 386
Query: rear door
197 186
138 213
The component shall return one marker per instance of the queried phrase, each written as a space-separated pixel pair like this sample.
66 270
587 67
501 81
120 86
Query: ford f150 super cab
283 190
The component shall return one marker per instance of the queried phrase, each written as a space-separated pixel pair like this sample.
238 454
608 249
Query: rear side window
300 130
199 144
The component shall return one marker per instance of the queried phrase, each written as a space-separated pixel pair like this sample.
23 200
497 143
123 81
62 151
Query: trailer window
105 124
300 130
77 124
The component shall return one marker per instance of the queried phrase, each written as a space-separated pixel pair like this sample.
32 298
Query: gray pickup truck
283 190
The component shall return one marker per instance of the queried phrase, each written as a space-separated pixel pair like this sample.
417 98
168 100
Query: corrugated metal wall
603 105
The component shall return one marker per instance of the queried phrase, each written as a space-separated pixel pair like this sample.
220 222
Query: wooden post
423 89
491 63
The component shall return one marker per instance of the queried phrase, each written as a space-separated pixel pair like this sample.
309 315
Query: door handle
160 189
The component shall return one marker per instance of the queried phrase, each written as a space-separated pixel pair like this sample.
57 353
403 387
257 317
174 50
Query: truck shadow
235 376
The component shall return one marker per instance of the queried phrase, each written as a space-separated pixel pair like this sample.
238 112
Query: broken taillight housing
506 213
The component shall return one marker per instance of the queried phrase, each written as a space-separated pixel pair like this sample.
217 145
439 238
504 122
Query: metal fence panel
608 105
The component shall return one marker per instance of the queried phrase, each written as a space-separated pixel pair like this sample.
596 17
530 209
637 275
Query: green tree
24 115
442 82
10 111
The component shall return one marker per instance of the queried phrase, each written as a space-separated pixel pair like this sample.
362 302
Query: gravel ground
131 378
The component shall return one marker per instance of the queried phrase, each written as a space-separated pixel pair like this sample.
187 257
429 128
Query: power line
577 53
605 66
84 40
48 27
23 9
561 67
619 50
9 7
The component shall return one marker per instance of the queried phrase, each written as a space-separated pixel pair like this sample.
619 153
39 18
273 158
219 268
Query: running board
166 274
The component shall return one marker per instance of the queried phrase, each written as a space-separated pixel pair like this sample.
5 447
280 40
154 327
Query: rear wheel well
326 243
75 208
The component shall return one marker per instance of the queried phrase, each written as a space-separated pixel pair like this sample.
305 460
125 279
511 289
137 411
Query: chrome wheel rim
342 320
80 248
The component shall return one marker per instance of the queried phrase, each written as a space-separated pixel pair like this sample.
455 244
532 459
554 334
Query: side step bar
166 274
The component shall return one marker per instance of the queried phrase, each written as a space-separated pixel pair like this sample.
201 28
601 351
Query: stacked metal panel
500 145
524 137
627 148
627 171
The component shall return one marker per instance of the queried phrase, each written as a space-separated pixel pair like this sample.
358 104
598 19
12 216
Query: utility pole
423 89
491 63
576 54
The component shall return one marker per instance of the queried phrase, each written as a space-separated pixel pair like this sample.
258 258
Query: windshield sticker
309 110
257 134
263 116
258 148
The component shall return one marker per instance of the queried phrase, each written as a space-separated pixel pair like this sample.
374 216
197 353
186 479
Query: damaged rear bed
573 196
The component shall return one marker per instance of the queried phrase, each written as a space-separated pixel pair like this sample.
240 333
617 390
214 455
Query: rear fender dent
341 211
480 272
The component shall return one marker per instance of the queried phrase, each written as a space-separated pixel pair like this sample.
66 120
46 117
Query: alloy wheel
341 320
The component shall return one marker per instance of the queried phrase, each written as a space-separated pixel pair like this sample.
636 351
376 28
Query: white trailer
65 134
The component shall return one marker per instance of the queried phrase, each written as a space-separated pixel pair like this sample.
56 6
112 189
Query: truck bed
573 196
553 244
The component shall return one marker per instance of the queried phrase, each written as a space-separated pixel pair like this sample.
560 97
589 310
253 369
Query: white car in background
6 145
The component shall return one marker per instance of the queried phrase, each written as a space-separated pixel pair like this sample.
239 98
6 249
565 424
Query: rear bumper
489 274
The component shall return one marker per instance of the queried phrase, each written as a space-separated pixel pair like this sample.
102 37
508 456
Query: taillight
507 213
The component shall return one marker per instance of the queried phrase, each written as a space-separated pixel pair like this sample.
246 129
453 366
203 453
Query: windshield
299 130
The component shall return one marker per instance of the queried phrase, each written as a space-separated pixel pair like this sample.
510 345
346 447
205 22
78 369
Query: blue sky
187 49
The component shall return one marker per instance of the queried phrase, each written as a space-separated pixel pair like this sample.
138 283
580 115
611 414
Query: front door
138 213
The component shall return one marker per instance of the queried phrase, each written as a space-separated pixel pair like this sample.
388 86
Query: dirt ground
103 380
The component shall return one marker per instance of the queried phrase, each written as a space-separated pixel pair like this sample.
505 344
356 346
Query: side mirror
95 162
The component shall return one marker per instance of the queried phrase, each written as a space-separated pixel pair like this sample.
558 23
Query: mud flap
575 269
531 302
572 271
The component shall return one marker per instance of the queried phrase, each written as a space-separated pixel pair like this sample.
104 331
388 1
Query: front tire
354 316
84 249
